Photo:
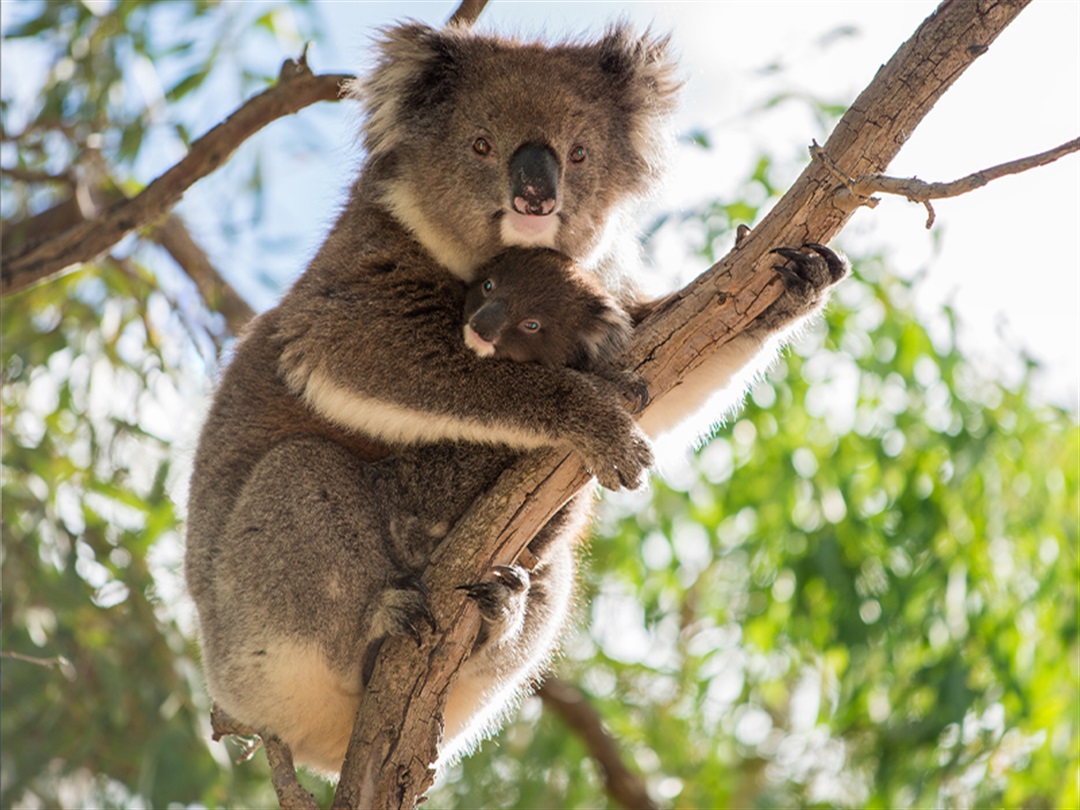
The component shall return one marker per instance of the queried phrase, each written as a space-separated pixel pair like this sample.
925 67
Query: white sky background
1009 253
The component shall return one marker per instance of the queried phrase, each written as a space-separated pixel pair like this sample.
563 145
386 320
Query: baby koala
538 306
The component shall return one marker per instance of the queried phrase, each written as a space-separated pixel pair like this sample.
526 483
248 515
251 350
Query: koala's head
481 142
537 306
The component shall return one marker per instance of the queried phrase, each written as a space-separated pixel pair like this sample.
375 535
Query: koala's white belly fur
300 693
318 706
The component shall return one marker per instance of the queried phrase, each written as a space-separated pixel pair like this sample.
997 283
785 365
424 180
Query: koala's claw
491 596
629 468
501 601
402 611
810 272
635 393
821 267
405 609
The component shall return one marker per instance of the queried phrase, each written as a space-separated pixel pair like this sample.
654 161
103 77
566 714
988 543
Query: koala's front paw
501 601
813 270
619 457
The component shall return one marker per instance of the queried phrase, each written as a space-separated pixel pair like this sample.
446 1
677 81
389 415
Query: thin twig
622 784
220 296
921 191
59 662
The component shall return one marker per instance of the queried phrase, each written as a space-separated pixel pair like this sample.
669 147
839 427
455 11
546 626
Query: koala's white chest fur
529 231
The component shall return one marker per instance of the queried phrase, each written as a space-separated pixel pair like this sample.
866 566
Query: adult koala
474 143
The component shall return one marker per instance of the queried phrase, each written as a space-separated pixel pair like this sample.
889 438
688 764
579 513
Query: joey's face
501 323
495 143
536 306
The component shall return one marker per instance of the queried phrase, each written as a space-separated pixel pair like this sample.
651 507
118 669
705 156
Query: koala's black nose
534 179
488 320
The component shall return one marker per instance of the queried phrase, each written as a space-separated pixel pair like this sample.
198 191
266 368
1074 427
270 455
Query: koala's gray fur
339 401
354 426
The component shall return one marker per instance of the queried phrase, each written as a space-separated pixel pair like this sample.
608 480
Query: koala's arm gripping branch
387 765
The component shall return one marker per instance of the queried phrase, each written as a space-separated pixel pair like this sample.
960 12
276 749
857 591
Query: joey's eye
577 154
487 286
481 147
530 326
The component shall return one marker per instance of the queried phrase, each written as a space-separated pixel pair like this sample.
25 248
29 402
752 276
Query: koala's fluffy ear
610 332
415 69
645 83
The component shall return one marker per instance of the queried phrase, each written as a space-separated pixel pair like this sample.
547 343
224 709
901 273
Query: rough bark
388 765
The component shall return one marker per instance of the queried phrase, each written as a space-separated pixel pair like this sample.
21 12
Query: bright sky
1009 253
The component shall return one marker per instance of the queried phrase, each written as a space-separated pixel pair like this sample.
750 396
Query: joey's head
537 306
479 142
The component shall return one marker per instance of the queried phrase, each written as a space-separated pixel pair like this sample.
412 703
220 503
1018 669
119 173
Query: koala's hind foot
501 601
807 277
402 611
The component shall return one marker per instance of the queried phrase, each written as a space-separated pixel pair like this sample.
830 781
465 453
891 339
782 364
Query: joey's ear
609 333
415 69
643 75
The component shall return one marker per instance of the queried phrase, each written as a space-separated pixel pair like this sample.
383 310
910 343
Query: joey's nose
534 180
488 320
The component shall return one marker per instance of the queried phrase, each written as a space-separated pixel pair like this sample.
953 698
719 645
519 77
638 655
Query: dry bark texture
388 765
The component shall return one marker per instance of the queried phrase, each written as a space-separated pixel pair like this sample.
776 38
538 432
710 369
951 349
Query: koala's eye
530 326
487 286
577 154
481 147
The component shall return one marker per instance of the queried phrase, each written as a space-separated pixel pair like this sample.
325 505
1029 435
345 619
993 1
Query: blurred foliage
112 93
861 593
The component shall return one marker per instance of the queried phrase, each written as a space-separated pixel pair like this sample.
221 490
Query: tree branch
467 12
31 176
396 733
172 234
291 795
297 87
621 783
220 296
921 191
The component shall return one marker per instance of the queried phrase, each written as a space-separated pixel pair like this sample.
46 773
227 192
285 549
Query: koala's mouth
529 230
482 347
